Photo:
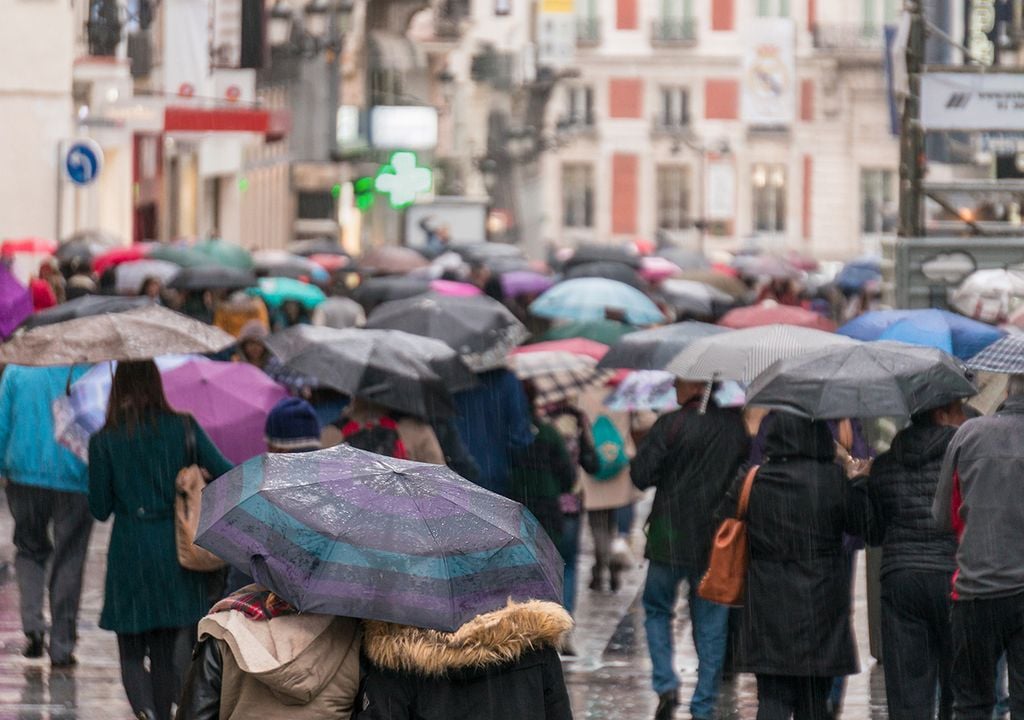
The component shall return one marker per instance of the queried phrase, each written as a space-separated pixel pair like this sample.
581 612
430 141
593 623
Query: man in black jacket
691 457
918 562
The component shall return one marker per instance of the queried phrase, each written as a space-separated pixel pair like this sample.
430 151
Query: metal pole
911 136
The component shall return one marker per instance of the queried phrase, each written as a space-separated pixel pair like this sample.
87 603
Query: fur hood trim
495 638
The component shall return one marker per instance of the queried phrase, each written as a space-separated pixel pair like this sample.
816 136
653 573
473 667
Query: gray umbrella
1005 355
880 379
140 334
339 313
85 306
654 349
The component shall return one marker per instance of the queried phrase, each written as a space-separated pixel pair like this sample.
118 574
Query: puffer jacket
501 666
902 488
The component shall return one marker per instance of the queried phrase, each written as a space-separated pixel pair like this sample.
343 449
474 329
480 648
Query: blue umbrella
956 334
858 273
590 299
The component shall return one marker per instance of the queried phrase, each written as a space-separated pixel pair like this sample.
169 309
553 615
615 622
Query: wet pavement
608 680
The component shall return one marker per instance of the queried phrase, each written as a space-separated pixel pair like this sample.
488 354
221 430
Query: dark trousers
35 510
781 697
918 644
982 631
155 689
603 528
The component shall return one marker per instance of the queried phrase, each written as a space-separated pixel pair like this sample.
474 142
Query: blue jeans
569 548
709 622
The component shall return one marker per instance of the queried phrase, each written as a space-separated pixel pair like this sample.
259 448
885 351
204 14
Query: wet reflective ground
609 680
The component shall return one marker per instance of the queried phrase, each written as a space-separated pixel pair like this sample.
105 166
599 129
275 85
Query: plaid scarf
256 604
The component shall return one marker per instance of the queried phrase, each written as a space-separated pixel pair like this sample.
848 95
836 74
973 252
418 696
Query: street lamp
318 19
318 29
279 24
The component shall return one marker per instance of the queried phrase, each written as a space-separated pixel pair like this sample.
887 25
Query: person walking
918 561
691 457
149 598
794 631
47 496
372 427
979 498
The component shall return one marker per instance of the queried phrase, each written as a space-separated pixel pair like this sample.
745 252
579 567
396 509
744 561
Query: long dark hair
136 395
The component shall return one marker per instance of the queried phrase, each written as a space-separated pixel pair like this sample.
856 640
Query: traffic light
364 193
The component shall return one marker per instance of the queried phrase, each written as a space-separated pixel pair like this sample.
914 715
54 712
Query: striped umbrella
744 354
557 375
346 532
1002 356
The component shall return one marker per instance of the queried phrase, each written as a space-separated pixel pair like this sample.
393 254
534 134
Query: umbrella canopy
524 282
577 346
339 313
180 254
606 332
278 290
766 266
15 302
346 532
111 258
644 390
211 277
653 349
990 295
484 252
317 246
957 335
695 299
597 252
610 270
129 276
591 298
453 288
375 290
278 263
225 253
139 334
742 355
1005 355
392 260
727 284
480 329
884 379
772 313
86 306
27 246
81 248
557 375
656 269
333 263
685 259
857 274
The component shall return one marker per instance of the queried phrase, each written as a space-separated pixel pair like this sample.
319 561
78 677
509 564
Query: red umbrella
30 245
331 263
771 313
576 346
117 256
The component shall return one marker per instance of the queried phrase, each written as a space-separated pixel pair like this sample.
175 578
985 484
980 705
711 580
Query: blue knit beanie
292 426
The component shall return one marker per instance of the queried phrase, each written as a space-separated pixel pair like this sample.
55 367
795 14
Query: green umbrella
606 332
226 253
278 290
182 255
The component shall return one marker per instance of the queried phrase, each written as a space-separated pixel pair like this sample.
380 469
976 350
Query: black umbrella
690 298
373 291
212 277
79 249
399 371
654 349
317 246
85 306
595 252
606 269
878 379
480 329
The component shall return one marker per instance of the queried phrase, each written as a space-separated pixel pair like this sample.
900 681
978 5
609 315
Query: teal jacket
29 453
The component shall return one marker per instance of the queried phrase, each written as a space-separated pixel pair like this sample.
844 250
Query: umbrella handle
706 397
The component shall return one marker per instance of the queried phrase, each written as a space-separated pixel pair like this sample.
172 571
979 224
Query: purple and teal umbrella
346 532
15 302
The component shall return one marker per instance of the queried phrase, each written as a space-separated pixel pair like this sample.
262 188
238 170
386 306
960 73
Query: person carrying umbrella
691 458
373 427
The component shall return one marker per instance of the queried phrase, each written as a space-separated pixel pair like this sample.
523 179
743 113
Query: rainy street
609 680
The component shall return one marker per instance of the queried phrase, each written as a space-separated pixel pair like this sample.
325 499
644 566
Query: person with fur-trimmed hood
500 665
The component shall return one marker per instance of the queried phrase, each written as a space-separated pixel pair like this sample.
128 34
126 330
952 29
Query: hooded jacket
796 615
501 666
902 487
293 667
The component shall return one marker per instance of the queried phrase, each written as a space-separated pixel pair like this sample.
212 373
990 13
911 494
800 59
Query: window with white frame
673 197
577 195
768 185
878 201
773 8
674 108
579 105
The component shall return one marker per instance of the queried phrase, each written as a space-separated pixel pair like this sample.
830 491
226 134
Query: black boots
667 704
34 646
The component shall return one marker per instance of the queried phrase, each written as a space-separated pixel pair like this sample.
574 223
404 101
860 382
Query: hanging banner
769 73
186 47
972 101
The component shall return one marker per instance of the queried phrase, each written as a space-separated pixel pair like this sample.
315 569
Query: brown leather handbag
726 578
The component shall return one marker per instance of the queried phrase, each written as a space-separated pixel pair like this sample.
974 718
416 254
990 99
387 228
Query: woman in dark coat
795 632
149 598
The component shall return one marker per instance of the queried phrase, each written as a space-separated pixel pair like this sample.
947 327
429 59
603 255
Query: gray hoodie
981 495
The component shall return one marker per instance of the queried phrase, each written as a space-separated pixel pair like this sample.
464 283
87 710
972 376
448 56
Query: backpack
379 437
611 449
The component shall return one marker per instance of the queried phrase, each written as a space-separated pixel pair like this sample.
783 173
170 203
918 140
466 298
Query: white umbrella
128 277
990 295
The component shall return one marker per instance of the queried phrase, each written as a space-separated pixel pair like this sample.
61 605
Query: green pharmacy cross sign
402 180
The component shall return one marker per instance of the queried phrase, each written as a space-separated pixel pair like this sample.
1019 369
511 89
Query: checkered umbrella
558 374
744 354
1002 356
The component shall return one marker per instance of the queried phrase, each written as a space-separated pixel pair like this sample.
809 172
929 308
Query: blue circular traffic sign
83 161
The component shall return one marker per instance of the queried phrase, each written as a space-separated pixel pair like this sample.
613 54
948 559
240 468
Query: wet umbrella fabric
576 346
644 390
956 334
597 252
278 263
653 349
606 332
392 260
317 246
524 282
376 290
766 266
990 295
742 355
685 259
557 375
225 253
610 270
129 276
180 254
772 313
883 379
86 306
15 302
346 532
275 291
140 334
339 313
726 283
211 277
591 298
857 274
689 297
481 330
115 256
1005 355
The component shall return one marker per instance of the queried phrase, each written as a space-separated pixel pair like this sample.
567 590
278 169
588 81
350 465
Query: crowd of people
938 498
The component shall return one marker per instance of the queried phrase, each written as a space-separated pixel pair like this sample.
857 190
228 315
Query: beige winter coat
420 442
293 667
618 491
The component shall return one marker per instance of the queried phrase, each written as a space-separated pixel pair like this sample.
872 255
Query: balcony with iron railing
588 31
860 38
672 127
674 32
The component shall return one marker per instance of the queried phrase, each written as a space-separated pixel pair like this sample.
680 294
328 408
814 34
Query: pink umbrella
770 312
655 269
28 245
116 256
452 288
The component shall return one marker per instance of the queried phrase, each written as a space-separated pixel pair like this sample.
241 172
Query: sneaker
667 704
34 647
